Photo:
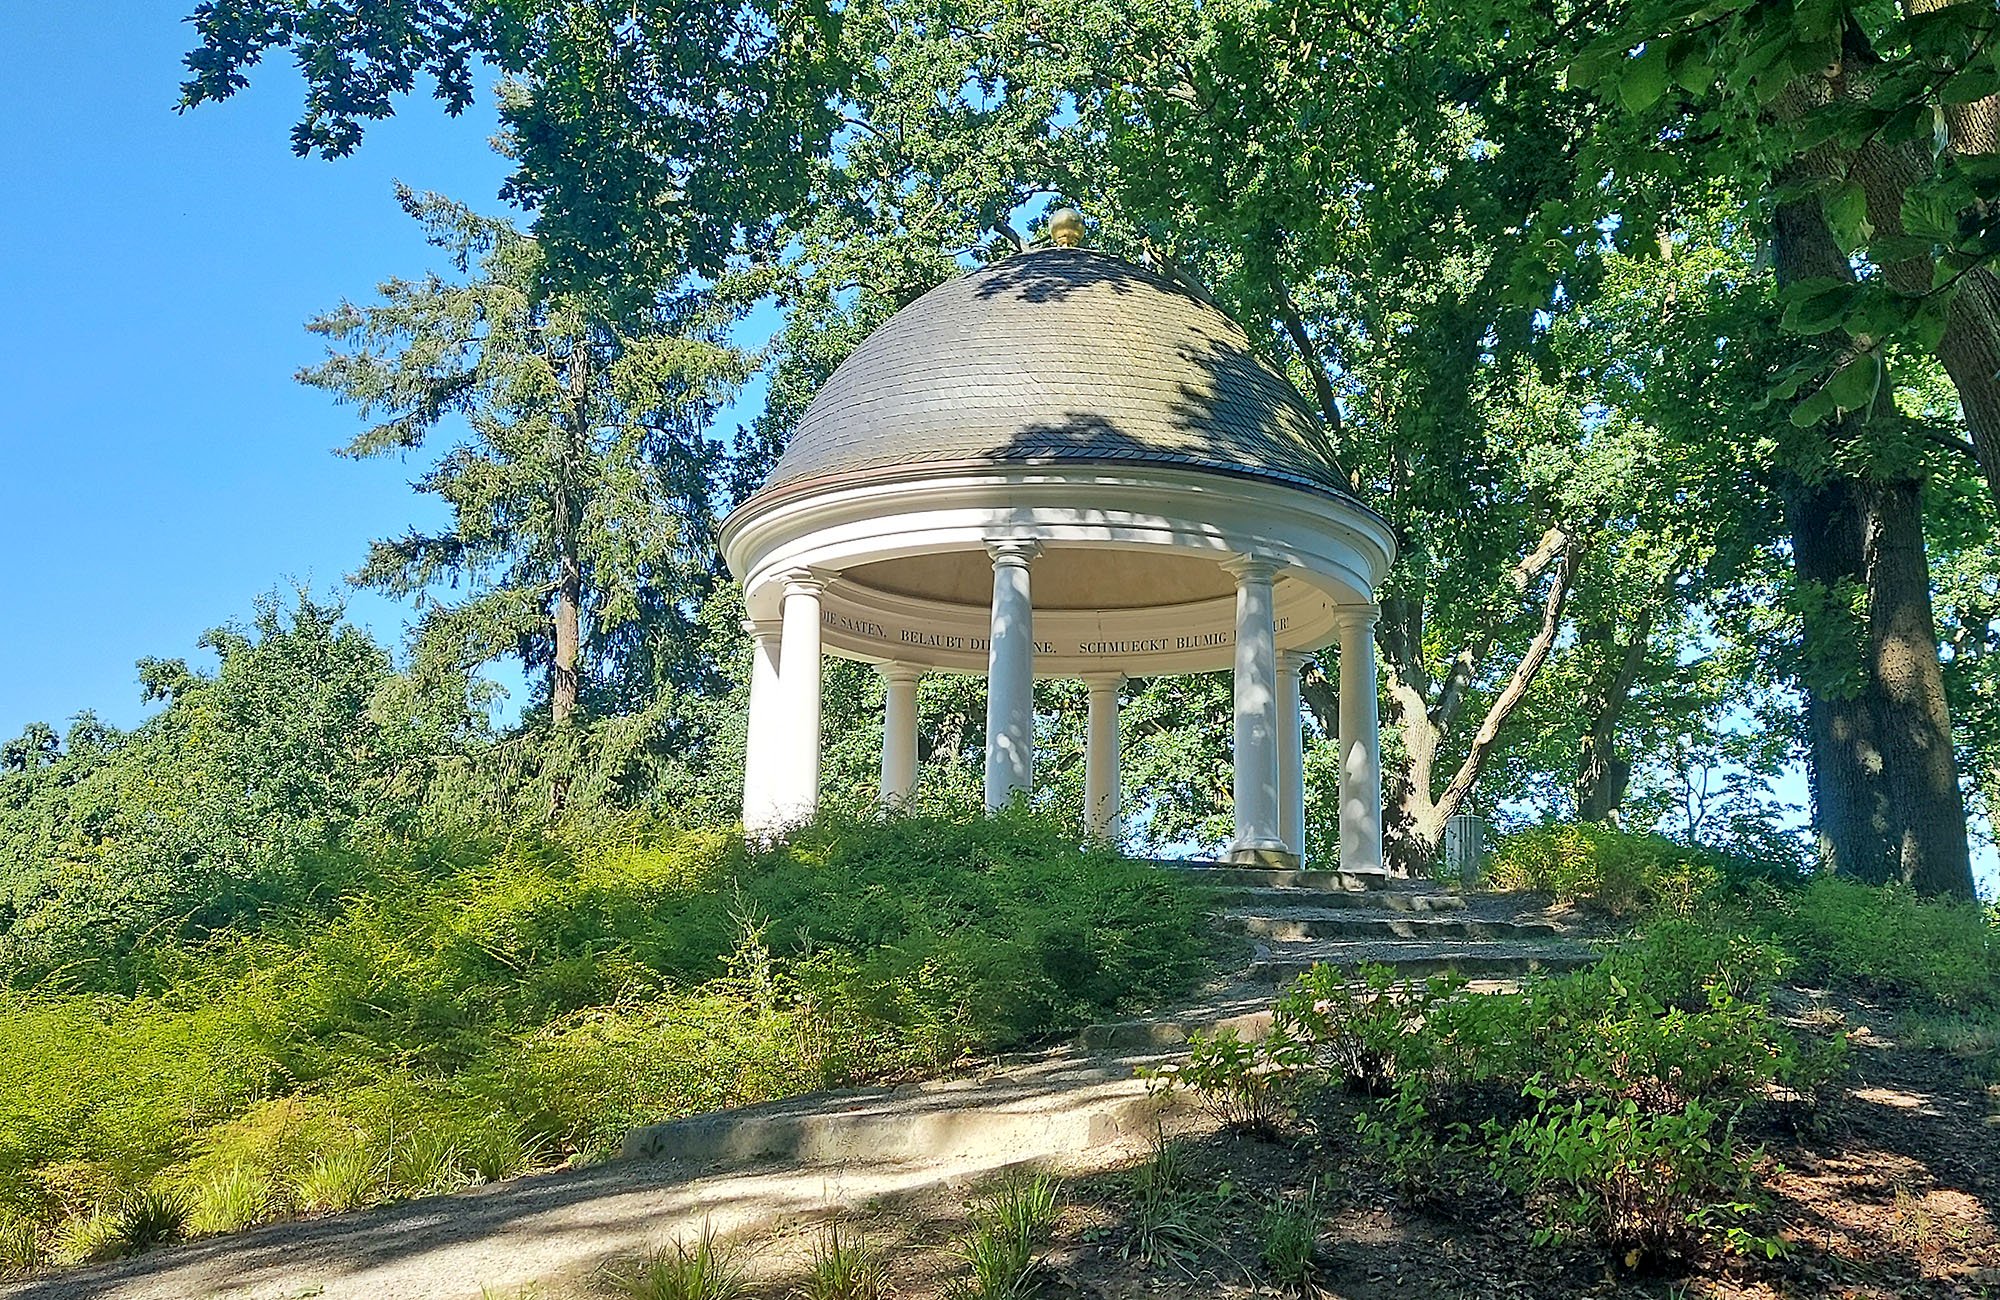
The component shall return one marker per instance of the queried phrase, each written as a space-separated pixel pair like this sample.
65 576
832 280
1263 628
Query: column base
1273 858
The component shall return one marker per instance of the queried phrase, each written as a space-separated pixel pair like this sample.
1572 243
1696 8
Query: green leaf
1854 385
1811 411
1643 80
1692 70
1847 213
1817 306
1971 85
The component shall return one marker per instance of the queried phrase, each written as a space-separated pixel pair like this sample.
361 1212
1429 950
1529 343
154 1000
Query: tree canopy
1661 334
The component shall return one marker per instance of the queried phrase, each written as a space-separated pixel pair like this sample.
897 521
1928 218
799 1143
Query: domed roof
1058 355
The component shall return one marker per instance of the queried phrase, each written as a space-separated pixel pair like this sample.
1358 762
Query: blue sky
158 465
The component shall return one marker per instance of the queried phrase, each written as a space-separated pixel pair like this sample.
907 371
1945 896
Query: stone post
1102 757
899 732
1256 693
1360 746
1010 675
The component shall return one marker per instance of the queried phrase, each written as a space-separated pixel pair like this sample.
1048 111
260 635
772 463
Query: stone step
1297 924
1365 883
1038 1110
1418 959
1247 1018
1273 899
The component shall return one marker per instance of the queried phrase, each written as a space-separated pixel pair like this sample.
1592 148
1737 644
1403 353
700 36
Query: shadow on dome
1052 274
1246 420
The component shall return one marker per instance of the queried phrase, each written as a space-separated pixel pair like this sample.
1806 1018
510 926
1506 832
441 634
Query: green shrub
1608 1096
1364 1029
1886 941
1616 872
1248 1087
1651 1186
1682 962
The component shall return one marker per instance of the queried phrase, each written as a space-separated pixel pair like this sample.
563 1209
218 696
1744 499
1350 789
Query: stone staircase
1297 919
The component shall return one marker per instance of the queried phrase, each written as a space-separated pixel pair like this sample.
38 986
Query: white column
1360 745
795 785
1101 758
1291 755
1256 714
760 743
899 732
1010 675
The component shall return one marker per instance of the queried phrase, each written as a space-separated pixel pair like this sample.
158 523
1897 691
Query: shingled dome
1059 355
1062 465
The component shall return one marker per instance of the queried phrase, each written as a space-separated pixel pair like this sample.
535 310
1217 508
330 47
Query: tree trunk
569 635
1851 813
1914 725
1414 817
1602 772
1885 779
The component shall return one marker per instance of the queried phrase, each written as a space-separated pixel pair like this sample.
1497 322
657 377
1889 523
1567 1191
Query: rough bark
1969 347
1602 773
1887 803
1415 817
1913 724
1851 813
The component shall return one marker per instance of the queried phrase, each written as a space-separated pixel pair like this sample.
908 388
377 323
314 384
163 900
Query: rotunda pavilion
1063 465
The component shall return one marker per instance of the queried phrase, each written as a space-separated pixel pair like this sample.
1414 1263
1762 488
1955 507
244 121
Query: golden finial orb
1066 228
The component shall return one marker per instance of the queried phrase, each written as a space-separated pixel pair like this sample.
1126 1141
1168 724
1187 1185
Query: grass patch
461 1016
705 1269
1001 1248
844 1267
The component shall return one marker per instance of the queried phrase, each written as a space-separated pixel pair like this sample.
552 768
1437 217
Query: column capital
1357 618
1013 551
763 628
805 581
1251 568
1293 661
893 671
1104 681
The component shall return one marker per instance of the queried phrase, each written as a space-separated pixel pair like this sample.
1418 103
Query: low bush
1619 873
1651 1185
1244 1086
1885 941
1608 1098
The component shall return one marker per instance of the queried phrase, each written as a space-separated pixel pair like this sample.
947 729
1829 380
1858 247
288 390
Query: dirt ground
1893 1195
